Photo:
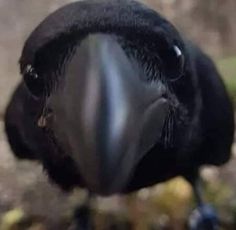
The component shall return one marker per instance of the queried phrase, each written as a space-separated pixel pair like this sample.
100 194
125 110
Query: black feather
199 128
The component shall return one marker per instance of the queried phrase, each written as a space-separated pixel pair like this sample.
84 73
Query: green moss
227 68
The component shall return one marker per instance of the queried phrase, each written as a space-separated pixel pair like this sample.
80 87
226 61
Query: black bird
113 99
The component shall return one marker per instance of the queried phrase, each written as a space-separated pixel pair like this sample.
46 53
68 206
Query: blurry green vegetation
227 67
166 206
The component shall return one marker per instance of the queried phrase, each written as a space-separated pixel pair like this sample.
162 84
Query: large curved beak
106 116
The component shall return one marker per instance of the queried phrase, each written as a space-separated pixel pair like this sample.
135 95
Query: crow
113 99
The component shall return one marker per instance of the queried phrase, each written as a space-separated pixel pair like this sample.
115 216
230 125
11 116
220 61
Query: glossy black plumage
198 129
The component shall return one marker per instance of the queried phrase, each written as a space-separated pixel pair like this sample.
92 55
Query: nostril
42 122
44 118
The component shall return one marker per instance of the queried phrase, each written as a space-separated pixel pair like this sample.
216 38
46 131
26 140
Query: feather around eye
34 82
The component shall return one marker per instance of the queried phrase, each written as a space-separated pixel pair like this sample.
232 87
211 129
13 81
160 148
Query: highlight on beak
106 115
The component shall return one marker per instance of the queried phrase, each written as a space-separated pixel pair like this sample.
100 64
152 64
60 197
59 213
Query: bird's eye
34 82
175 64
180 59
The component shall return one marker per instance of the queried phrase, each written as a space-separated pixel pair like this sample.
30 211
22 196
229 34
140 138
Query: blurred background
29 202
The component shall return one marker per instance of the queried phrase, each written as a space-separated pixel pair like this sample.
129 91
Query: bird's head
103 71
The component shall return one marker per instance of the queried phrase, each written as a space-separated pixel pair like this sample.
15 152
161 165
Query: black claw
204 218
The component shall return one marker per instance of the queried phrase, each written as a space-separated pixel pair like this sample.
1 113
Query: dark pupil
34 82
175 66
